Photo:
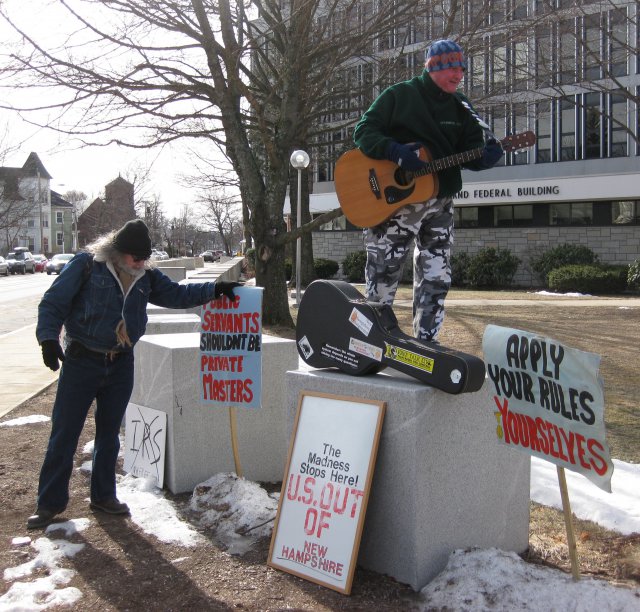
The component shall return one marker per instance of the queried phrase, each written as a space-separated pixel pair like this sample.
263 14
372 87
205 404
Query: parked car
157 255
57 262
41 262
4 266
21 261
210 255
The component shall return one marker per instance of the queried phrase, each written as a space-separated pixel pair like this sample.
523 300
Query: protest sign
549 401
326 488
230 349
144 443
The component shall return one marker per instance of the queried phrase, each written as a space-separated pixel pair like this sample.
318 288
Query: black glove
225 288
491 153
51 353
405 155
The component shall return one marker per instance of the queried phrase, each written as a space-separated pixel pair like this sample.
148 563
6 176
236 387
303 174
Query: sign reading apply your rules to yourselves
325 489
549 401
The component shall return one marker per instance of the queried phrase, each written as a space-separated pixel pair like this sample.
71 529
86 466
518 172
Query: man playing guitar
423 111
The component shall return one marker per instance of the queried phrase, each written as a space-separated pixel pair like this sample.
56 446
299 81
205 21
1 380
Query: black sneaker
42 518
110 506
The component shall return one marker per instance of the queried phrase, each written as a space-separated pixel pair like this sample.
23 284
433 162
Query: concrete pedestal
175 273
170 323
198 435
442 480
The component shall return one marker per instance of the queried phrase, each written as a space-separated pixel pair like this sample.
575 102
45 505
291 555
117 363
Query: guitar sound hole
402 178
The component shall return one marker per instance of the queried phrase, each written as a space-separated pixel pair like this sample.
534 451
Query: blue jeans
83 379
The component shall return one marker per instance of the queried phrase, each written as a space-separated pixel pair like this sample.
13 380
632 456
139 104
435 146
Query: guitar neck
450 161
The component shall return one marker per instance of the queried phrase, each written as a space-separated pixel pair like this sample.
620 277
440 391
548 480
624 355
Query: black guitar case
337 327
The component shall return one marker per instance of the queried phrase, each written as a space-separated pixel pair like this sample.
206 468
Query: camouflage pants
431 225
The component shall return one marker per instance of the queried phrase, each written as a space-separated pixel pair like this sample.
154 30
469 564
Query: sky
473 580
86 169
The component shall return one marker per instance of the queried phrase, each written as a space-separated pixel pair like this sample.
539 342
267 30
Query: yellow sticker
409 358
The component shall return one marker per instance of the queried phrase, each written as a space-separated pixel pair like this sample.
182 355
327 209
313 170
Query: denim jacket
89 301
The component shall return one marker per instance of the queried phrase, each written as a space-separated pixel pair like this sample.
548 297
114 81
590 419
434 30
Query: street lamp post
299 160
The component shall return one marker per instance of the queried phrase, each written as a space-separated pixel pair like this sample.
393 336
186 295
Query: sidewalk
23 374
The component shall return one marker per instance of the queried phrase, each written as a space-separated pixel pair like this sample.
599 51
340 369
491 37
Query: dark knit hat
444 54
133 238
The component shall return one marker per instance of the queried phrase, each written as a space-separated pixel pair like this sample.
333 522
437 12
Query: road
19 298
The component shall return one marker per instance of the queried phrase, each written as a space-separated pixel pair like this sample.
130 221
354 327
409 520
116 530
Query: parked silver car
57 262
20 261
4 266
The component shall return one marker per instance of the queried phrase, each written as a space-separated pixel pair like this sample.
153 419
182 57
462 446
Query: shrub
633 275
492 268
588 279
325 268
459 266
353 266
561 255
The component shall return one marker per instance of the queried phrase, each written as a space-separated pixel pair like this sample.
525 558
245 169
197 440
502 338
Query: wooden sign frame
325 490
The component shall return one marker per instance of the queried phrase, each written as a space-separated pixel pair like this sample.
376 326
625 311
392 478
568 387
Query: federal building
567 70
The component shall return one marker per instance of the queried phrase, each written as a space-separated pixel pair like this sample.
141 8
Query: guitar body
370 191
338 328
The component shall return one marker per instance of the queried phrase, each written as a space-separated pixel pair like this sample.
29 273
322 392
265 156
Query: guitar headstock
518 141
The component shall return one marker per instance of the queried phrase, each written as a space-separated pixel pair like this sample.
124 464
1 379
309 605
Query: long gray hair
103 249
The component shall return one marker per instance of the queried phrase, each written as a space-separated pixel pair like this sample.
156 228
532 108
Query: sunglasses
138 258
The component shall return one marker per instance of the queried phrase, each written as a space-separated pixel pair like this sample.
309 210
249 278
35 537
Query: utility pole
40 209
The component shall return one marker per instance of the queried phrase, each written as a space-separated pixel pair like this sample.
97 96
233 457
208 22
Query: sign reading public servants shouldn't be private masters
550 401
230 349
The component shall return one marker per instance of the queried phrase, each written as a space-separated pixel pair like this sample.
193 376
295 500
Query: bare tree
221 214
247 76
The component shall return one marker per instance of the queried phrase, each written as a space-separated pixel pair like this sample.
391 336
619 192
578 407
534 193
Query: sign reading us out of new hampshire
548 401
325 488
230 349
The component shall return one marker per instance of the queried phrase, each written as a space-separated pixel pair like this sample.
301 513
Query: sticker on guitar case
305 347
366 349
409 358
360 321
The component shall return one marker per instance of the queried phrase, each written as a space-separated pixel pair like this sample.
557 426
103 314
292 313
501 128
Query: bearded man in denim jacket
101 298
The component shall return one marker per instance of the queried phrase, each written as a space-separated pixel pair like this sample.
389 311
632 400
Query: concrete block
167 378
152 309
175 273
172 323
441 482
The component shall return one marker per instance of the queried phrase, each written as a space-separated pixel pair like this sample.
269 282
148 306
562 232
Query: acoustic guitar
372 190
338 328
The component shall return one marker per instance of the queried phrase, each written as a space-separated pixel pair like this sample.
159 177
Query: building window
567 129
59 217
465 216
571 213
625 213
59 239
592 118
543 131
513 215
31 223
619 125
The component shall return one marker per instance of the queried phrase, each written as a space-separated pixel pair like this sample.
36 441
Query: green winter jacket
419 111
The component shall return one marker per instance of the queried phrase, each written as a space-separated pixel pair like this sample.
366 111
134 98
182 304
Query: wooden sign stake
571 538
234 440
